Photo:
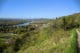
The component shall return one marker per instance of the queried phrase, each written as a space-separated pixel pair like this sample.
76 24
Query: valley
40 36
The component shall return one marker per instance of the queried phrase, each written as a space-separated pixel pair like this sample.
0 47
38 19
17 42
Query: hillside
12 21
42 36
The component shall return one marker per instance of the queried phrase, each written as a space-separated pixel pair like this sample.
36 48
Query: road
78 40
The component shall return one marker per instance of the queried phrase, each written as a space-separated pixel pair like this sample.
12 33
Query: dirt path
78 40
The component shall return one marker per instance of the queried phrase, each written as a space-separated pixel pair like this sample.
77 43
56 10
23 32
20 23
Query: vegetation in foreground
49 36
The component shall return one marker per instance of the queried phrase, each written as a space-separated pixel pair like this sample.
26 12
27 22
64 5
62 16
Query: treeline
6 25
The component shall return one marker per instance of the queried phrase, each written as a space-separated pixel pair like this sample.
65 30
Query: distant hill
12 21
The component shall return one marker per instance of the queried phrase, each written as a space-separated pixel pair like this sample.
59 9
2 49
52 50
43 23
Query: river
24 24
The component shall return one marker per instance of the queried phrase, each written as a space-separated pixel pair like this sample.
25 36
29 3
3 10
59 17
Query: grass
4 37
72 46
47 41
59 42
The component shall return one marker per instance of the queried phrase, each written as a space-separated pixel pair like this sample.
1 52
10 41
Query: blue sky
37 8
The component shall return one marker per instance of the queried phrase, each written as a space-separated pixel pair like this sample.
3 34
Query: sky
29 9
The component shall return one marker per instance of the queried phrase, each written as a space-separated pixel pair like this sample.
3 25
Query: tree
64 25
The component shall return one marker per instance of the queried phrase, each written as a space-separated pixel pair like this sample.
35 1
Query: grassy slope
49 41
57 42
72 46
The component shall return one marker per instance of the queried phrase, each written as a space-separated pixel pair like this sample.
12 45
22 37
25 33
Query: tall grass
72 45
59 41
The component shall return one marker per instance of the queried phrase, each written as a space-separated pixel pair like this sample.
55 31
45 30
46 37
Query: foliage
51 36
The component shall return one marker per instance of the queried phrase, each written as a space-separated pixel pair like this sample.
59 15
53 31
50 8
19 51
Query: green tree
64 25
